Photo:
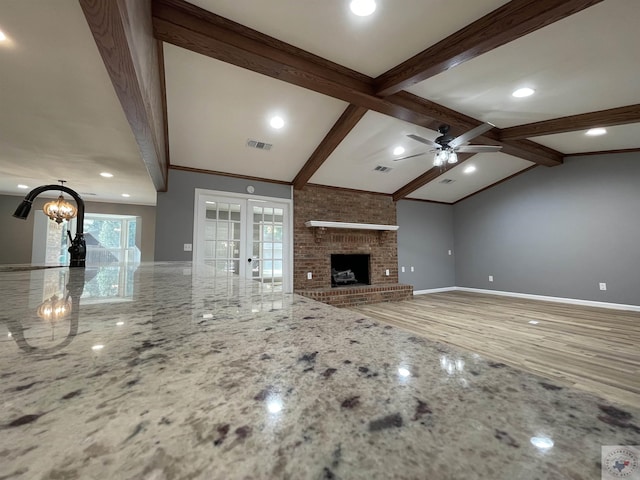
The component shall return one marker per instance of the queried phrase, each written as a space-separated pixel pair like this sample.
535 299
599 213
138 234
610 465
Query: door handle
249 260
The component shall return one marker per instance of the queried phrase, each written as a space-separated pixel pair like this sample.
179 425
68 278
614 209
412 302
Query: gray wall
174 226
424 238
556 231
16 237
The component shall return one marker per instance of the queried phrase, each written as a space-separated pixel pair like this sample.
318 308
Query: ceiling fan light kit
446 146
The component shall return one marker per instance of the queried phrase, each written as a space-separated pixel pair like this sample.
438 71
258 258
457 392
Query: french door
244 235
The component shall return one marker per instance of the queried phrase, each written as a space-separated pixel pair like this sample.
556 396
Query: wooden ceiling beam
505 24
584 121
349 119
124 35
277 64
198 30
428 176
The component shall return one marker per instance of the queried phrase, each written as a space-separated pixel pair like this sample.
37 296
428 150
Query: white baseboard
572 301
434 290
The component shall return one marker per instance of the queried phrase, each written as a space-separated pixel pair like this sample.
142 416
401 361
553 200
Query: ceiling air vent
446 180
382 169
259 145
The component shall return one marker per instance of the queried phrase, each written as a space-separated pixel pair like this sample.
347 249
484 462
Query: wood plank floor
589 348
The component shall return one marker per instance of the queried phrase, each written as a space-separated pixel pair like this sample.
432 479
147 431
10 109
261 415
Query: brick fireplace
313 246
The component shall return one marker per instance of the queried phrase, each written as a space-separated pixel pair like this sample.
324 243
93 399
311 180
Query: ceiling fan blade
409 156
423 140
471 134
478 148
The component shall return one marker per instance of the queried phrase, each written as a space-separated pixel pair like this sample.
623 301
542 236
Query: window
109 239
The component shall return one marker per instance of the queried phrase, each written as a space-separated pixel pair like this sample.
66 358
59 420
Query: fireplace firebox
350 269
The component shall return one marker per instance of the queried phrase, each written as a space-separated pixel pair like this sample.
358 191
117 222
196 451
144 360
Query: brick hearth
313 246
360 295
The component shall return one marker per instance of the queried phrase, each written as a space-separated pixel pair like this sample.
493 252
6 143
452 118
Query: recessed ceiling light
97 347
3 37
398 150
470 169
523 92
363 8
276 122
106 174
596 131
126 195
24 187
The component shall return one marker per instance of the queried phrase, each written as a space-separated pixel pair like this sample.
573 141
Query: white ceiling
371 143
584 63
60 117
490 168
214 108
398 30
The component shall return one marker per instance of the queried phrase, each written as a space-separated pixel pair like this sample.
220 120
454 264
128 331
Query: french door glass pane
268 244
222 236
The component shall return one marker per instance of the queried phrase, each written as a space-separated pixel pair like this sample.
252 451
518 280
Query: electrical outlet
413 269
188 247
491 278
603 286
386 272
309 275
402 268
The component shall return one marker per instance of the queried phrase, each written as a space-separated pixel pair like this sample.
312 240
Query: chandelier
55 308
60 210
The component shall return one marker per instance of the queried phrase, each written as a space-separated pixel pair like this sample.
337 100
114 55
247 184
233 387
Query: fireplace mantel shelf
360 226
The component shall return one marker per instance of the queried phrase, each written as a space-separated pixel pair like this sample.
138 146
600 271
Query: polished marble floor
167 371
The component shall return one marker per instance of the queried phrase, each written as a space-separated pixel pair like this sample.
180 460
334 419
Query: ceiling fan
447 147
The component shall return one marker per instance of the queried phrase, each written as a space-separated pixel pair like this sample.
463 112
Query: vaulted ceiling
187 85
